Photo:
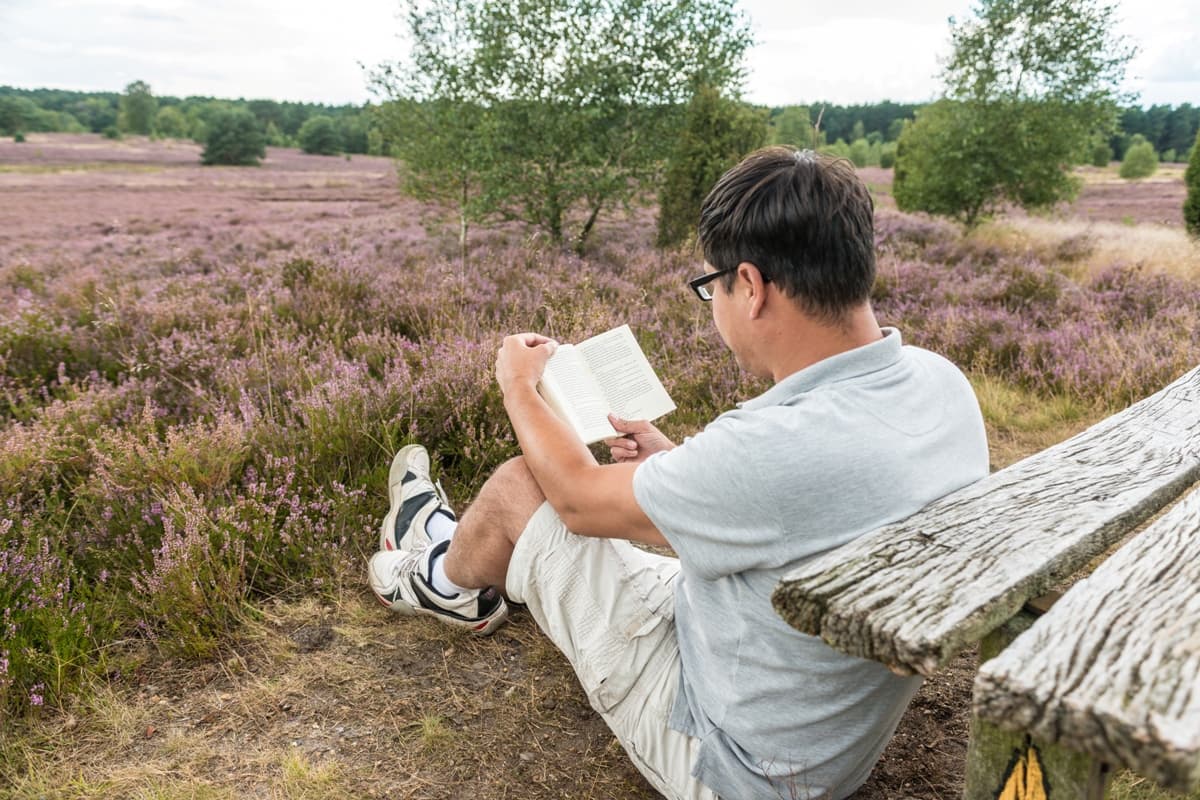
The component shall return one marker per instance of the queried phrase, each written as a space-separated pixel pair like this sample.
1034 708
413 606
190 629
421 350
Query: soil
372 705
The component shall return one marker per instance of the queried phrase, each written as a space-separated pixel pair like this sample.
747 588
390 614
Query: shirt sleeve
708 500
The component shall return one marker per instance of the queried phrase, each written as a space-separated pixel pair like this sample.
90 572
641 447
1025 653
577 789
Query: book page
575 396
625 376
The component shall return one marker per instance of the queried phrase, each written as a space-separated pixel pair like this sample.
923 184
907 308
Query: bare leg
483 542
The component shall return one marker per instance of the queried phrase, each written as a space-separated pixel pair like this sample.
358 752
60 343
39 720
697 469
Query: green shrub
190 594
319 136
171 123
46 643
18 137
112 132
1169 156
276 137
1140 161
887 155
791 125
137 109
839 149
234 138
1191 179
859 152
1101 153
375 142
717 132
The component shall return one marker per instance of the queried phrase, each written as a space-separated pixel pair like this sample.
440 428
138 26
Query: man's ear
754 285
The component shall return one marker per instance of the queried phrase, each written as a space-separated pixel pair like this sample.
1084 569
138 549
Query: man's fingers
623 453
532 339
629 425
622 448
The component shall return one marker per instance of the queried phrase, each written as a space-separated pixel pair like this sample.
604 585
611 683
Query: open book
608 372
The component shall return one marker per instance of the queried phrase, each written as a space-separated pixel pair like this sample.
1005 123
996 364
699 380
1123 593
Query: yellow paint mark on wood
1025 781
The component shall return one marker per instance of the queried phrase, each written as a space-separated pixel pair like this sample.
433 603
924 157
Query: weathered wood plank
1113 670
915 593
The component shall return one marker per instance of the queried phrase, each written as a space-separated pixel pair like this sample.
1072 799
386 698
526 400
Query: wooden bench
1111 674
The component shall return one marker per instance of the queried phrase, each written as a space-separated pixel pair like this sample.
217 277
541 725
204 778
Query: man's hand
522 359
641 439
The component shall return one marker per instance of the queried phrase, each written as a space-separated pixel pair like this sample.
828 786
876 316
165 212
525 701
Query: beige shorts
610 608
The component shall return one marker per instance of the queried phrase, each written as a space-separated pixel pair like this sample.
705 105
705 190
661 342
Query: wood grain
915 593
1113 670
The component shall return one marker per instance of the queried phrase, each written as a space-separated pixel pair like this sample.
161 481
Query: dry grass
315 702
1020 423
1082 247
1128 786
1165 173
96 166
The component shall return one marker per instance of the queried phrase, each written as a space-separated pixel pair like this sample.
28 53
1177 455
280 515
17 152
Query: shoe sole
395 476
483 627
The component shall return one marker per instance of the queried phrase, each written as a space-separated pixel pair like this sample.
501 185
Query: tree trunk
586 230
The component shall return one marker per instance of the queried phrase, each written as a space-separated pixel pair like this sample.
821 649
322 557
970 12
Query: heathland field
204 372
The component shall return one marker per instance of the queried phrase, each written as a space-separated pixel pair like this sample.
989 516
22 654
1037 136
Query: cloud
41 47
799 14
806 50
829 61
1178 62
153 15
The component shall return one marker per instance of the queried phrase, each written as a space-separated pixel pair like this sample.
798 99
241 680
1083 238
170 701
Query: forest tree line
138 111
866 132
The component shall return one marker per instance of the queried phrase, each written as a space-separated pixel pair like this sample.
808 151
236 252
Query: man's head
803 219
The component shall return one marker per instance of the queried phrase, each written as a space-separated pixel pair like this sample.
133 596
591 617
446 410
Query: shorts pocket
616 668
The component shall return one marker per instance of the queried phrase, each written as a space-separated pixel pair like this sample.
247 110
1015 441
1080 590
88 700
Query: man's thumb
628 425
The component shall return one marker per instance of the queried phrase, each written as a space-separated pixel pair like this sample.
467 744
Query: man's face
726 317
734 319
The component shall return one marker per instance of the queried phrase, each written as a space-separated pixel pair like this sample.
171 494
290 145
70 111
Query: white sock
439 527
437 578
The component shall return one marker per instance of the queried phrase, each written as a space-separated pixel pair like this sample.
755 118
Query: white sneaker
400 579
414 498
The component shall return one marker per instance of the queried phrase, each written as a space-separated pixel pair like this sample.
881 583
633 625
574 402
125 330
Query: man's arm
591 499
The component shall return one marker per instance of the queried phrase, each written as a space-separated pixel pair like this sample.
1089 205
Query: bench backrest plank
1113 670
915 593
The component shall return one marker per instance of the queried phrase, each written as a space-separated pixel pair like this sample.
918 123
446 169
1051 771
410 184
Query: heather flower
197 405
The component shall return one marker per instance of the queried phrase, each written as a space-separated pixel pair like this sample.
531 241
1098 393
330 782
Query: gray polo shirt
842 447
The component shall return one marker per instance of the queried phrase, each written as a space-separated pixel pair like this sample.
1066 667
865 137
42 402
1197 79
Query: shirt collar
854 363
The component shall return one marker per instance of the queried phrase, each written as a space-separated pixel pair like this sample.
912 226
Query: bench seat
1113 669
915 593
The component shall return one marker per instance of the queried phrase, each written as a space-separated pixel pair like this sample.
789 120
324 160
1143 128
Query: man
710 692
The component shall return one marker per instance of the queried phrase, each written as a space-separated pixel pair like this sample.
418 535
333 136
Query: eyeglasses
700 284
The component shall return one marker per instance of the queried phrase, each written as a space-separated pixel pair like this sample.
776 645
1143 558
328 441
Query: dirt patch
365 703
314 701
927 757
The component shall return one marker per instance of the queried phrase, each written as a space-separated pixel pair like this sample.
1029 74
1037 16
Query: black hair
803 218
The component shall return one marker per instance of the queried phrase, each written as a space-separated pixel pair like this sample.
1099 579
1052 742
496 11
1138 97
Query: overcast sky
842 52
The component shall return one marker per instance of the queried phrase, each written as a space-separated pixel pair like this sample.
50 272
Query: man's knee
520 492
508 499
515 477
